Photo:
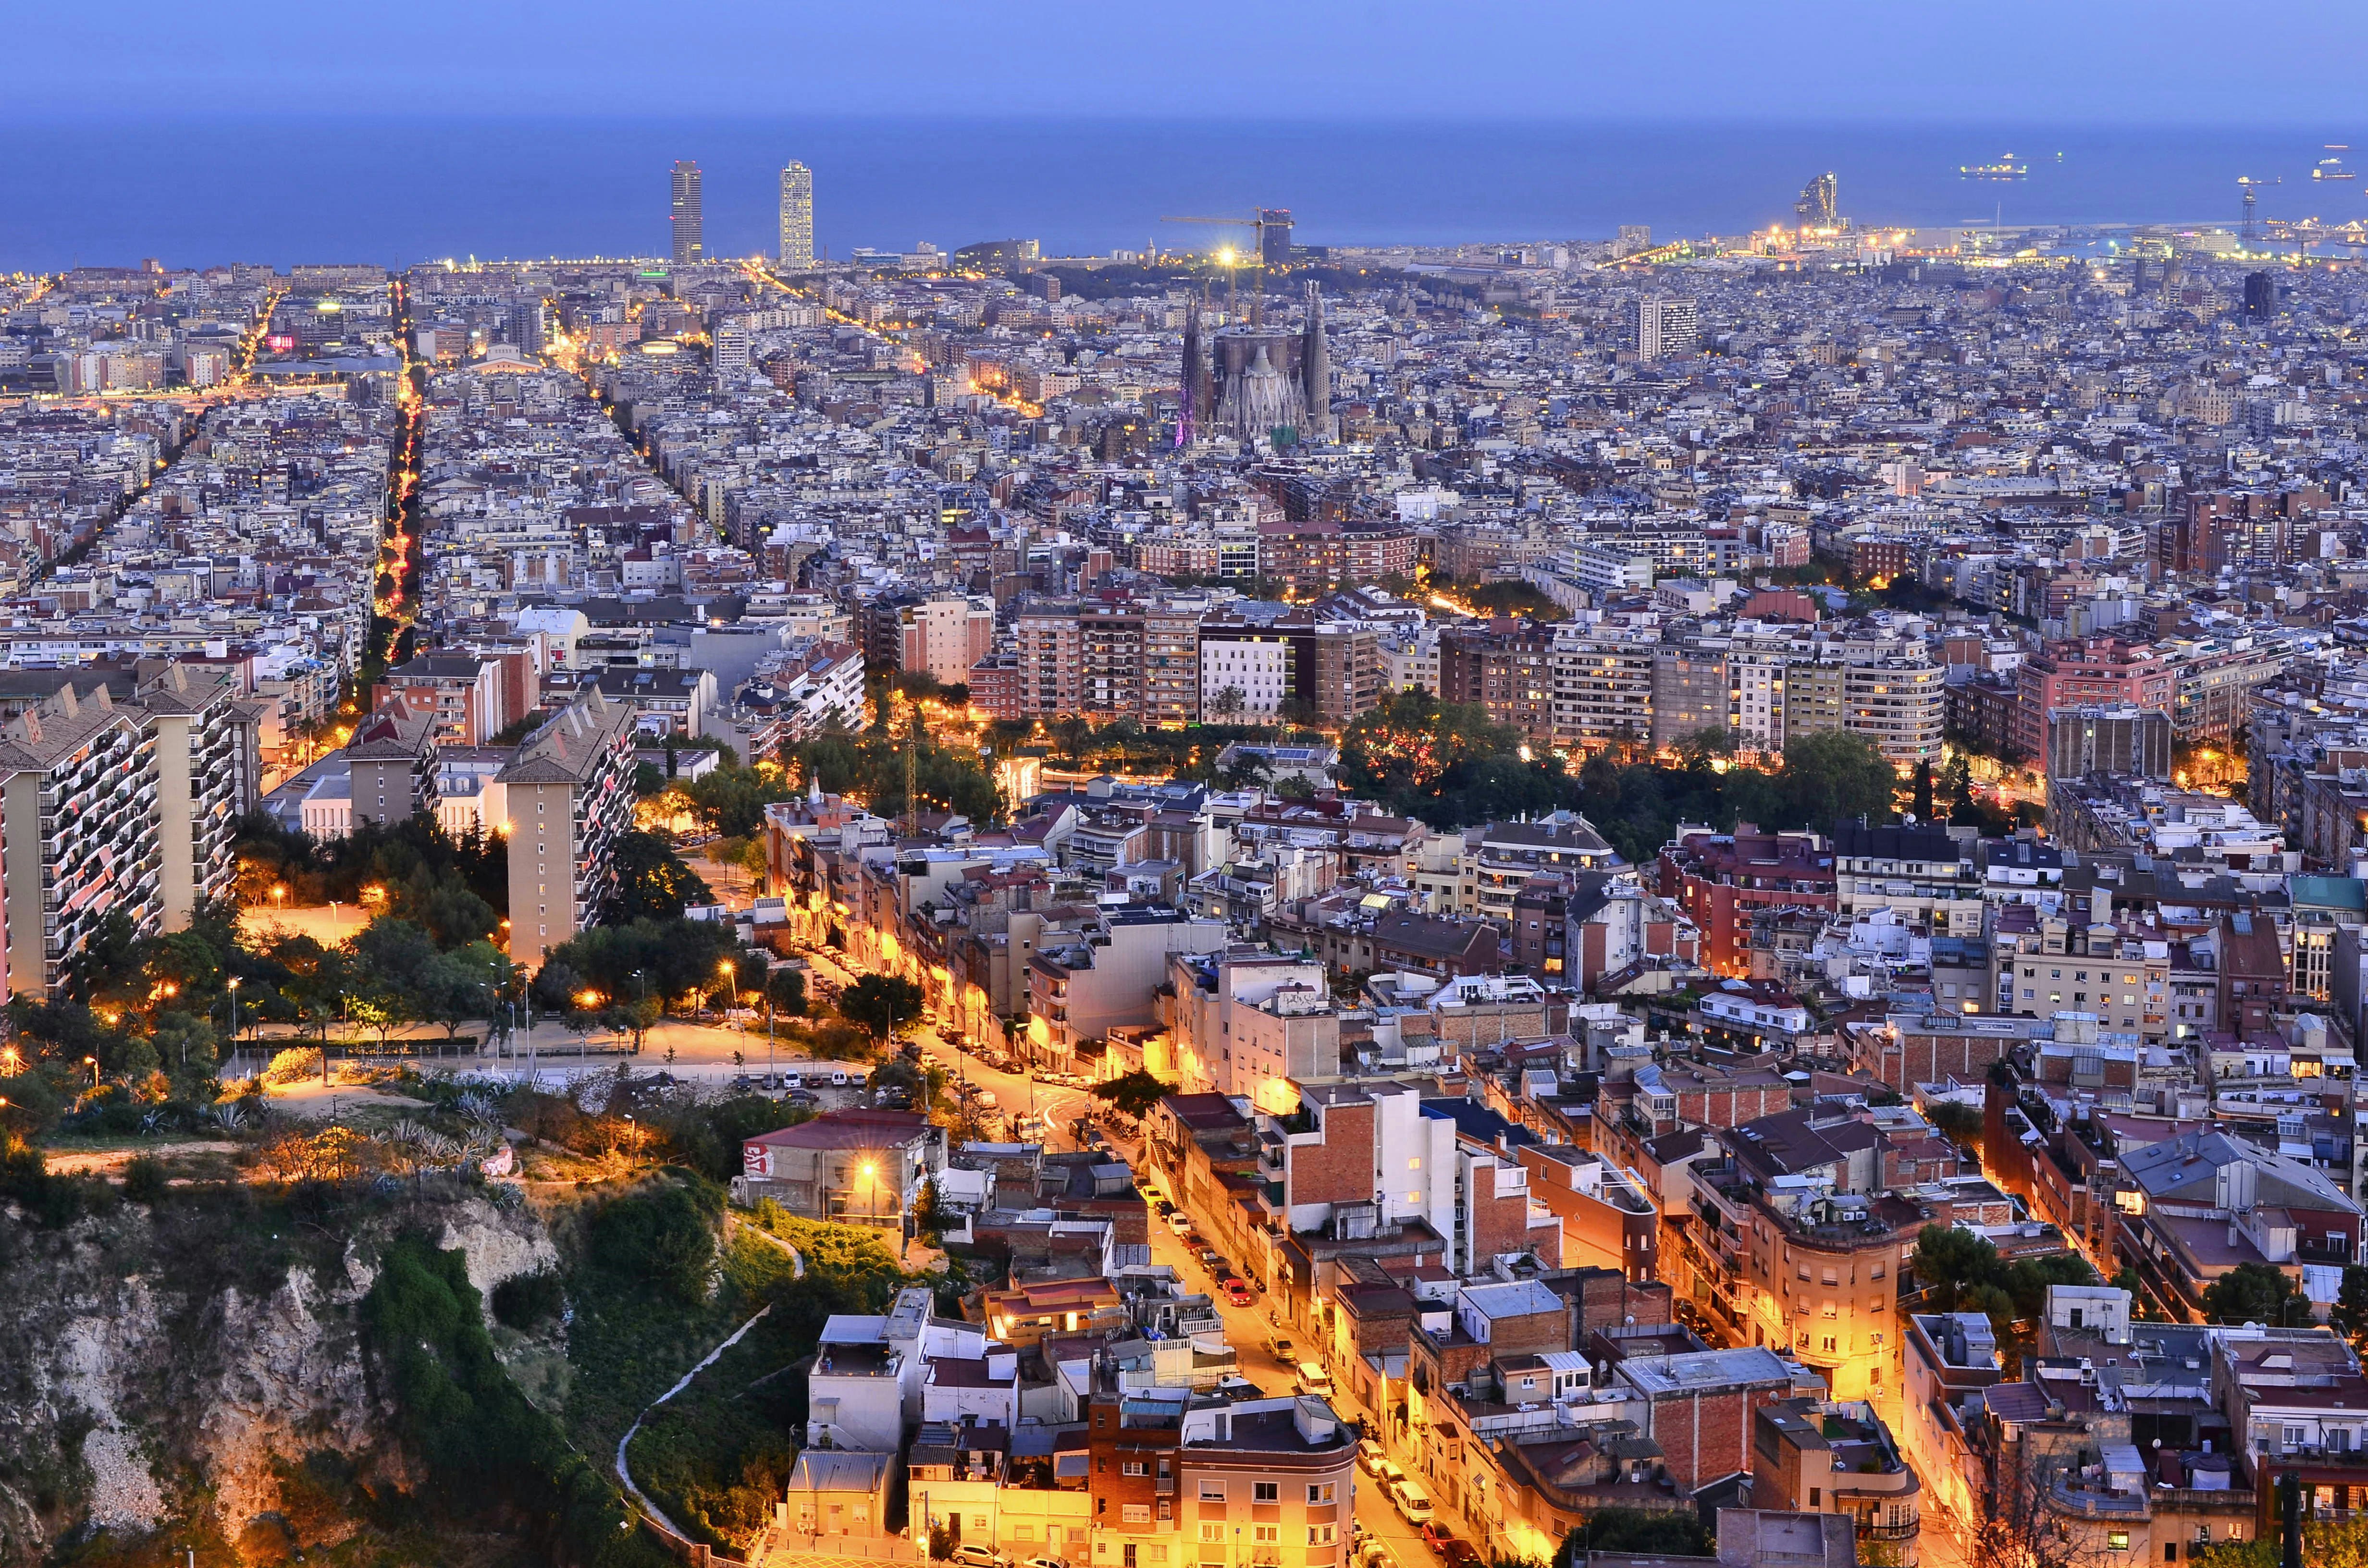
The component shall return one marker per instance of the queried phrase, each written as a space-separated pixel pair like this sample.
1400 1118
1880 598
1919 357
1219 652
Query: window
1319 1535
1415 1163
2118 1541
1266 1491
1829 1342
978 1522
1320 1493
1211 1531
1814 1497
2170 1552
1167 1509
1265 1535
1213 1491
1135 1514
1133 1467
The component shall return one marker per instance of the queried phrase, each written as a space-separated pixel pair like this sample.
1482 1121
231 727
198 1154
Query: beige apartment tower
570 794
797 217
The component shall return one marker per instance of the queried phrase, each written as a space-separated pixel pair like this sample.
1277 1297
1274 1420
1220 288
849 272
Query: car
1208 1257
1165 1208
793 1081
1435 1535
1461 1554
1312 1378
838 1079
979 1557
986 1097
1412 1503
1369 1456
856 1079
801 1097
1238 1293
1388 1474
1045 1563
1193 1242
1179 1224
1282 1350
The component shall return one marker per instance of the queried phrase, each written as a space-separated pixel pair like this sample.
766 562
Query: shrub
294 1065
527 1300
666 1235
144 1178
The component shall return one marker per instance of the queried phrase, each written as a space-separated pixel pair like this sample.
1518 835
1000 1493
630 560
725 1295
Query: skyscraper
689 241
797 217
1666 327
1274 236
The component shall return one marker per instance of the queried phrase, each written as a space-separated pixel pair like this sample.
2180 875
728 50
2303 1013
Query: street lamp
92 1062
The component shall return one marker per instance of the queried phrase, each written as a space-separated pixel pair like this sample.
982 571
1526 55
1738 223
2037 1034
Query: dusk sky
2037 61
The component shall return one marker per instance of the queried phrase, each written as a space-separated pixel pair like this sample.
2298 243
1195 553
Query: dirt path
110 1161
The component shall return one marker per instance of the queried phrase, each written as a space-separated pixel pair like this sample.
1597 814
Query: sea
198 190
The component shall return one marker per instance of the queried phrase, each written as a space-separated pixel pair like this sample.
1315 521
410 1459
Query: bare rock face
132 1391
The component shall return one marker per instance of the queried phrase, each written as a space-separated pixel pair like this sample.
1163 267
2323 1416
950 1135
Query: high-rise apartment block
690 228
571 793
1667 328
797 252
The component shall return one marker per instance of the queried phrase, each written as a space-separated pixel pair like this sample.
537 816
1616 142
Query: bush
143 1179
294 1066
525 1302
666 1235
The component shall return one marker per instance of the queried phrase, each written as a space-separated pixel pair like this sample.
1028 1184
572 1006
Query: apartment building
1900 704
1722 879
2086 672
461 693
1923 875
391 758
1505 666
1818 1456
1602 684
943 636
570 794
81 836
1083 983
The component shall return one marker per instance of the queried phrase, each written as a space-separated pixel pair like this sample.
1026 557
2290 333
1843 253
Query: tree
1135 1093
882 1003
785 991
1832 775
653 882
2255 1292
1921 800
1697 749
1653 1532
1960 1124
2350 1315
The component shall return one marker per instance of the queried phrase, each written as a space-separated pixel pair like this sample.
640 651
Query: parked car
793 1081
801 1097
979 1557
1238 1293
1413 1504
1167 1210
986 1097
1178 1222
1045 1562
1461 1554
1435 1535
1282 1350
1388 1474
1368 1454
1312 1378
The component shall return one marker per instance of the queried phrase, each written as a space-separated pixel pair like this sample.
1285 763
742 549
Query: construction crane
1266 217
2248 185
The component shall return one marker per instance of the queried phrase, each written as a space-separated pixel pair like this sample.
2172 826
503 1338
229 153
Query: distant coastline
205 190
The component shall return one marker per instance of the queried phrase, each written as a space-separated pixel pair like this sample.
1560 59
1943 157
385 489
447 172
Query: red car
1460 1554
1237 1293
1434 1534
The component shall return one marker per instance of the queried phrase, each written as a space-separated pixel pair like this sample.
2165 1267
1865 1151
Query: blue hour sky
2095 63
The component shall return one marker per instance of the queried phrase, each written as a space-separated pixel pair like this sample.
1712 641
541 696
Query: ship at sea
2005 168
2332 167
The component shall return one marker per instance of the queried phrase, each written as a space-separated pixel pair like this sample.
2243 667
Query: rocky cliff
168 1364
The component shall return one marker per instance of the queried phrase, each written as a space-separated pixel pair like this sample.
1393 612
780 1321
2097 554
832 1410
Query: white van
986 1099
1313 1380
1411 1502
838 1079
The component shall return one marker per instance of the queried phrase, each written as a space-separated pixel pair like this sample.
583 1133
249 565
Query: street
1247 1331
